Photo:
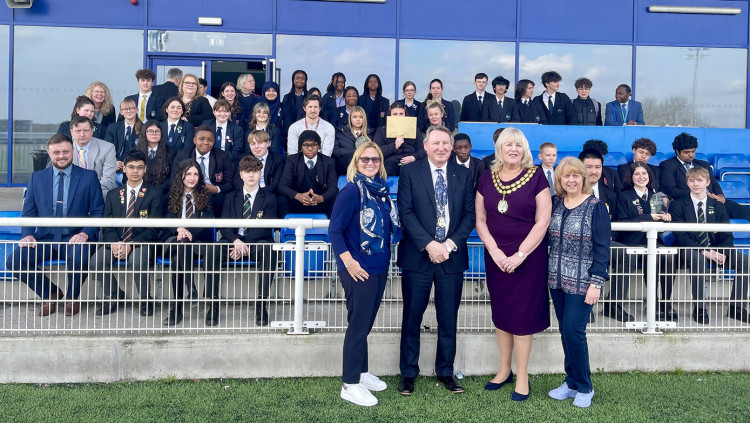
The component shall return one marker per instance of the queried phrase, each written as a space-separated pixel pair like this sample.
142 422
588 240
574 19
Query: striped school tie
189 209
128 234
702 236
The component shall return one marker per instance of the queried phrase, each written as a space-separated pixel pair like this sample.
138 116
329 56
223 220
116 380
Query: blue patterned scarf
371 216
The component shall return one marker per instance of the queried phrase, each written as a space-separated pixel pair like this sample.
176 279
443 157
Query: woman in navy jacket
411 105
373 102
363 254
436 94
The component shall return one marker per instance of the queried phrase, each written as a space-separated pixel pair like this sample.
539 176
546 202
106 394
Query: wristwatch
521 254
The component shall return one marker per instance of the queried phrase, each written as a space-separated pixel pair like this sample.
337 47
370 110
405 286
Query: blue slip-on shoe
491 386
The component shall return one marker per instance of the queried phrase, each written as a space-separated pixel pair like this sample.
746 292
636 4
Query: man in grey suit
92 153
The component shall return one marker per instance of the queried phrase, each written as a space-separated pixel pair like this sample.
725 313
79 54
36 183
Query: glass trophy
659 203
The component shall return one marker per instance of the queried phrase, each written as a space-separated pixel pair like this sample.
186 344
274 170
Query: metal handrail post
299 282
651 236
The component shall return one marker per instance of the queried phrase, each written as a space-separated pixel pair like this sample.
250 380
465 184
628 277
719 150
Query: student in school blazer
272 169
613 113
220 170
562 112
476 166
491 110
234 137
154 106
293 177
183 134
674 183
471 110
116 135
532 112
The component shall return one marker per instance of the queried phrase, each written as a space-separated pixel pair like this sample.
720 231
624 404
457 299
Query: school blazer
613 113
410 147
234 137
674 182
294 176
418 213
148 204
531 113
272 169
203 235
612 179
476 166
562 113
264 207
154 106
84 200
609 198
449 116
491 111
183 134
471 111
220 167
116 136
632 208
682 211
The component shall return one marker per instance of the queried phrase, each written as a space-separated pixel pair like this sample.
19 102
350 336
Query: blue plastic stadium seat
562 154
614 159
314 260
480 154
745 179
735 190
741 238
393 186
476 255
342 181
118 178
735 163
657 158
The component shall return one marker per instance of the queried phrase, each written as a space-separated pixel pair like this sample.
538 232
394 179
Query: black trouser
626 263
694 260
137 262
183 255
362 304
265 260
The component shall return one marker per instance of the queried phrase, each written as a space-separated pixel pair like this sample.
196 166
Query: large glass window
607 66
4 46
321 56
52 66
455 63
210 42
692 86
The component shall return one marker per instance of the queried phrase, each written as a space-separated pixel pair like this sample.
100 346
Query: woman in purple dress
513 206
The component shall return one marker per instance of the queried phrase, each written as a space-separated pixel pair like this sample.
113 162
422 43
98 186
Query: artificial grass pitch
631 397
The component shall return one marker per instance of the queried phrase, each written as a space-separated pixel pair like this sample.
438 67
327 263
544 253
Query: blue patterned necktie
441 198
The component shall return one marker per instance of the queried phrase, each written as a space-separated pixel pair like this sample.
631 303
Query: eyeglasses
133 168
127 109
309 145
153 132
190 84
374 160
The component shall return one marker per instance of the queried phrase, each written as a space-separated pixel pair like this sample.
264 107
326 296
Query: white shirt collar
595 188
128 188
467 164
252 193
314 159
433 168
640 193
264 157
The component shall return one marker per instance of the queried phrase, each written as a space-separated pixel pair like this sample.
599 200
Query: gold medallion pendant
502 205
441 221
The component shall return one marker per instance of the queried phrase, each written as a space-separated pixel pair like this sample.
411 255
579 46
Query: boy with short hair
259 142
548 156
148 104
251 201
588 111
557 106
471 107
462 155
708 248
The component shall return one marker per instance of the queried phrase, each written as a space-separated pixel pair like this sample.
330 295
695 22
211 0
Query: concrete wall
145 357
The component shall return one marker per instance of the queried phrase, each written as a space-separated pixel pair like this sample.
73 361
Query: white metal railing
305 293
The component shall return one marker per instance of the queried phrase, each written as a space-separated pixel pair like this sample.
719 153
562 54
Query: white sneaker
359 395
372 383
562 392
583 400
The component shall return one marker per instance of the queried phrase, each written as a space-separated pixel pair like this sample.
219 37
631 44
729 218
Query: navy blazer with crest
84 200
264 207
148 204
682 210
418 213
183 134
293 176
471 111
234 137
531 113
154 106
203 235
491 110
116 135
562 113
272 169
220 169
632 208
673 181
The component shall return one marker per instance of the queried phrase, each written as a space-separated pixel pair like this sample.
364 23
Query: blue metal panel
576 21
336 18
692 29
6 14
83 13
237 16
467 19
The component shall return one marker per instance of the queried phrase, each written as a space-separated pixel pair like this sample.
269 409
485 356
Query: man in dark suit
309 182
558 109
149 105
62 190
623 111
500 108
594 163
169 88
610 177
258 143
136 199
217 168
673 182
471 107
643 149
252 202
462 156
706 249
436 206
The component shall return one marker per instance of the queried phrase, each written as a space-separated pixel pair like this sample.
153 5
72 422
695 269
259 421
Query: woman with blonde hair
197 108
363 220
104 108
349 137
261 121
513 208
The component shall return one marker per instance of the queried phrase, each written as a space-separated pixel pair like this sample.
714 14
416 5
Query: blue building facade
686 68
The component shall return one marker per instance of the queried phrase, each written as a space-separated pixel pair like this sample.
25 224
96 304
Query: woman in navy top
340 119
373 102
362 221
579 240
411 105
271 98
436 94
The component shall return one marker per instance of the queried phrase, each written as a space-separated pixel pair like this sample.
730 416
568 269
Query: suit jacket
449 116
674 183
491 111
612 179
471 111
613 113
200 110
272 169
84 200
183 134
608 197
410 147
414 110
116 135
220 168
590 108
328 106
682 211
562 113
103 161
274 134
476 166
148 204
166 90
488 161
531 113
264 207
632 208
100 131
154 106
293 176
622 172
418 213
202 235
234 137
